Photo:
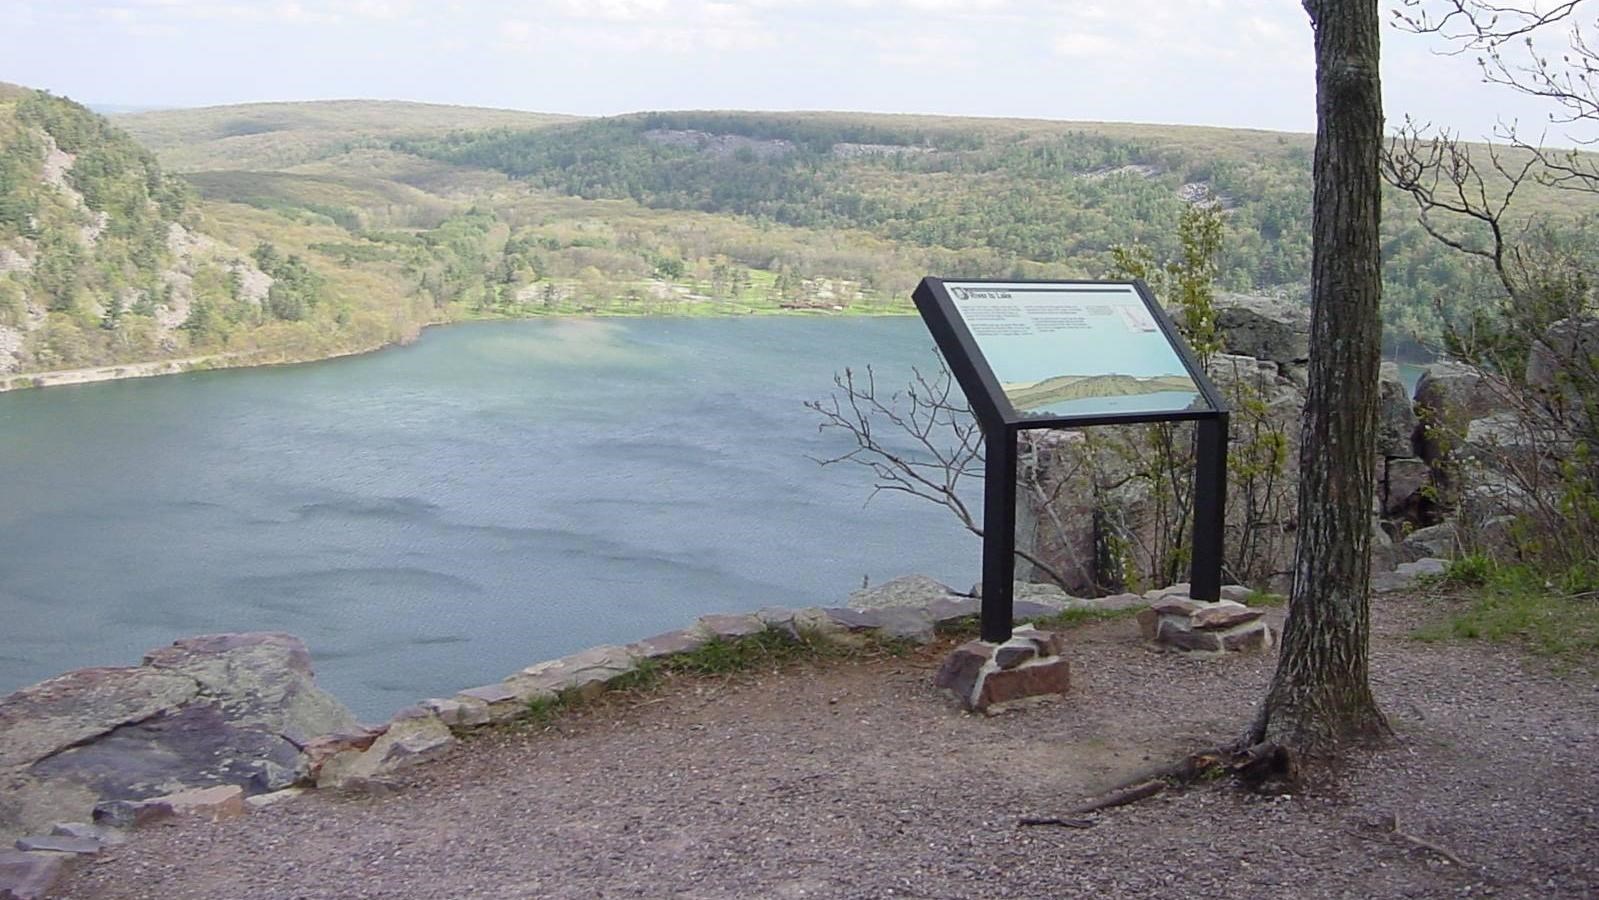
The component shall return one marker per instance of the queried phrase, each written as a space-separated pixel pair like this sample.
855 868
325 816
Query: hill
277 135
399 214
106 259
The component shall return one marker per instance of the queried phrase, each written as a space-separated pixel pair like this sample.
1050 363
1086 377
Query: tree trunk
1319 697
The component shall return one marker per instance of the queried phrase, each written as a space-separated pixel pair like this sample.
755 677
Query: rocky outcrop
217 710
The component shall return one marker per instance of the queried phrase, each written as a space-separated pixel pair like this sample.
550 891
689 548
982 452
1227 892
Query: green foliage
1077 617
295 289
1518 603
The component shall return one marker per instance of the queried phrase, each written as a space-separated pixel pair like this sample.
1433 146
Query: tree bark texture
1320 697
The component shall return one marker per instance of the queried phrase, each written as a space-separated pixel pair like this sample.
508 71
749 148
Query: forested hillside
106 259
302 230
999 194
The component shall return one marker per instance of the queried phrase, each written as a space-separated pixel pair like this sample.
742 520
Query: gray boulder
1448 397
909 590
1246 332
1562 362
1396 416
231 709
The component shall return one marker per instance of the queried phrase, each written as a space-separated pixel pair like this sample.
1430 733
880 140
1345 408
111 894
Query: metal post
1210 508
999 532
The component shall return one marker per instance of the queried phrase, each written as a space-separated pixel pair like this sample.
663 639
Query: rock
1148 623
28 876
1407 575
910 590
1039 679
231 709
106 837
1117 602
1030 610
1448 396
729 627
1049 595
976 673
1048 643
1396 416
1176 606
407 742
212 804
327 746
904 623
1180 590
1223 615
953 609
587 672
265 678
55 843
1402 493
670 643
1180 634
780 618
262 801
842 618
1438 541
458 713
1237 593
1012 654
1561 362
1256 636
1248 333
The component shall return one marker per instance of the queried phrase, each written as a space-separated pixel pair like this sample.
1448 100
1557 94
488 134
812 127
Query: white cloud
1082 43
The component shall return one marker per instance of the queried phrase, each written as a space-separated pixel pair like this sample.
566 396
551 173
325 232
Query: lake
437 516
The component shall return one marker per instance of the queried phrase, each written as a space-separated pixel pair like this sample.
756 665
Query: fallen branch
1389 826
1121 798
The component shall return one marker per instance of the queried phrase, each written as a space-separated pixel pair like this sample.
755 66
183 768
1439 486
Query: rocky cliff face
99 258
229 709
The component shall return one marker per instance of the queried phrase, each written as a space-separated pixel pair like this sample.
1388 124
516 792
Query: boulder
1441 541
409 741
230 709
1396 416
1563 363
29 876
910 590
1448 397
1246 332
1403 490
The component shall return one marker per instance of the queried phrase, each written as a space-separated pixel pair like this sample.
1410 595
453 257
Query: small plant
1264 598
1469 571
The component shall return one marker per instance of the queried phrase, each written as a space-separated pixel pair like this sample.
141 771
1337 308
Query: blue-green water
437 516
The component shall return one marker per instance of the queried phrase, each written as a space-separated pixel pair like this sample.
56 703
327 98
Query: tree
1320 697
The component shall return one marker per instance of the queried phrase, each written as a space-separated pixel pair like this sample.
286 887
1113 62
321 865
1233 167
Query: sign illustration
1074 349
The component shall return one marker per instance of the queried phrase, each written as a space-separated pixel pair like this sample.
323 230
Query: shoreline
22 381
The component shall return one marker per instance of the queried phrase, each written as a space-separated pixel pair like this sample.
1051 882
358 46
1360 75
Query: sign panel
1065 350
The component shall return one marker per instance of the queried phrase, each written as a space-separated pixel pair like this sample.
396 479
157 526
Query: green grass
1556 617
1260 598
767 649
1078 617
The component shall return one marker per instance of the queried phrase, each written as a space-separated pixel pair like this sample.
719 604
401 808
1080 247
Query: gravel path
856 780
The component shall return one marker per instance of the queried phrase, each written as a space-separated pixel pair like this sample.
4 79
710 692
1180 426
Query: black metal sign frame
1001 423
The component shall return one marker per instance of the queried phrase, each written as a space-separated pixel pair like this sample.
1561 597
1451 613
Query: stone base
1179 623
990 678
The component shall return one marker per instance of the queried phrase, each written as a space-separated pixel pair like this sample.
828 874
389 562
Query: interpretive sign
1072 353
1057 352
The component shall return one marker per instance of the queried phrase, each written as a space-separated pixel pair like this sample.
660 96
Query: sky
1237 63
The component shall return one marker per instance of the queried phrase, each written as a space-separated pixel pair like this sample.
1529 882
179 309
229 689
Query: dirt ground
856 780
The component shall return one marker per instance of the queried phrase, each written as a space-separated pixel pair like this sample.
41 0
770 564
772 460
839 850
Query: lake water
437 516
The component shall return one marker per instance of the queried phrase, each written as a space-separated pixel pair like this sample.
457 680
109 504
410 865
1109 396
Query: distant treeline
1067 196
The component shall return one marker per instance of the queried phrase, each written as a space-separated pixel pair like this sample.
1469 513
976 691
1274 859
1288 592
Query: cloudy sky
1224 62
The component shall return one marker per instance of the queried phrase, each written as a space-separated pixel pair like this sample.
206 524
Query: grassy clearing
1556 617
